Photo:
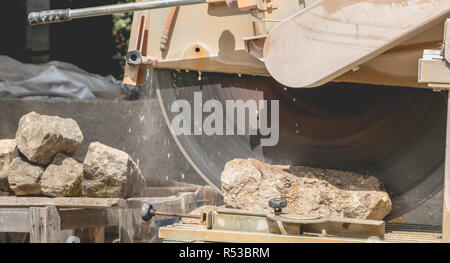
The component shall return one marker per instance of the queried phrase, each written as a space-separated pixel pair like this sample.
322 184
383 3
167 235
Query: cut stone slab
41 137
23 177
109 172
7 147
250 184
62 177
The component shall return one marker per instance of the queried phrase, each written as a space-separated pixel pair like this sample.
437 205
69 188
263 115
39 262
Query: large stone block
109 172
41 137
62 177
250 184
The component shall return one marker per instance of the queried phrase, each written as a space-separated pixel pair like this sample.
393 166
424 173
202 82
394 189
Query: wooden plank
45 225
91 235
126 231
86 218
332 37
14 220
446 212
70 202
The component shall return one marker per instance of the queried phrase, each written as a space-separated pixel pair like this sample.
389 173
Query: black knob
147 212
277 204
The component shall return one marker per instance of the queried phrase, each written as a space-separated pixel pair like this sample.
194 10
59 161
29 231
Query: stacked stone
39 162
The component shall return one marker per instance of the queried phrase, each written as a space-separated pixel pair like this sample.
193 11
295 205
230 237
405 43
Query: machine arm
63 15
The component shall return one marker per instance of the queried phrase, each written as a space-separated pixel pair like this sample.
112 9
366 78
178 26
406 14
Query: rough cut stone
23 177
62 177
41 137
109 172
6 149
250 184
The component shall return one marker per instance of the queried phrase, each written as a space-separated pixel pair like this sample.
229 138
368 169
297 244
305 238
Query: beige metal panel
396 67
69 202
189 233
135 75
210 38
332 37
282 10
393 68
446 212
434 71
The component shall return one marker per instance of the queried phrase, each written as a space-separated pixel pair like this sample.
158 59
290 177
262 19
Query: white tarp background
20 80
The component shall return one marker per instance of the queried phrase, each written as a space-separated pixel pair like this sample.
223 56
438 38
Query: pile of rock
249 184
38 162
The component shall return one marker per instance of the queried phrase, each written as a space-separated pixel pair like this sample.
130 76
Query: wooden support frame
192 233
89 216
45 225
126 231
44 218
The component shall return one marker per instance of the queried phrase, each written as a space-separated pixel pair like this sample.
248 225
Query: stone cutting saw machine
356 81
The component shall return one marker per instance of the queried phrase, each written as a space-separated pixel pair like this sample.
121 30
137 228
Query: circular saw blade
395 134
